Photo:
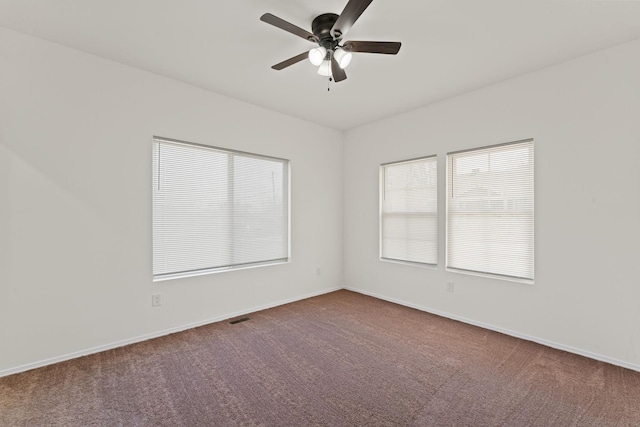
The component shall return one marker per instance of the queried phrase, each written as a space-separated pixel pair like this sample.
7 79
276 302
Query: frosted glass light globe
325 69
317 54
343 57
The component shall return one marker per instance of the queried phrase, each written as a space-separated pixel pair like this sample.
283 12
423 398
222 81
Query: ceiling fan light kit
332 55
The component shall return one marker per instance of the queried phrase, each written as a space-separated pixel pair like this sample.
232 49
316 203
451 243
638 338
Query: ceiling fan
332 54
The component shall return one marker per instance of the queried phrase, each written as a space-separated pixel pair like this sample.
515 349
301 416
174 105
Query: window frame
381 213
286 205
448 183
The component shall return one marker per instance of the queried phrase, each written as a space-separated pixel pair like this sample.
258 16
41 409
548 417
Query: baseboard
544 342
141 338
122 343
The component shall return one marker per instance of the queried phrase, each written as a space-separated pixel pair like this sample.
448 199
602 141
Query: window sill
491 276
411 263
171 276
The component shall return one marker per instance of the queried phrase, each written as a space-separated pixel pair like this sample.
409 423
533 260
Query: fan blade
287 26
291 61
337 72
349 16
389 48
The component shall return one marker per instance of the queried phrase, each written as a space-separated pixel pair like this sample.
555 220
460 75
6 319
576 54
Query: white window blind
215 208
490 206
409 211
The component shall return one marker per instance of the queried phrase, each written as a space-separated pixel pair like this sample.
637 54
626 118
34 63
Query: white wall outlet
156 300
318 271
449 286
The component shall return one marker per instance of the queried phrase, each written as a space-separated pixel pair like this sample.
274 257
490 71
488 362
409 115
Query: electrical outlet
156 300
449 286
318 271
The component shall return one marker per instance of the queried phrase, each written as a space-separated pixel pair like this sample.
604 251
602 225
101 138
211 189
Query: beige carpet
341 359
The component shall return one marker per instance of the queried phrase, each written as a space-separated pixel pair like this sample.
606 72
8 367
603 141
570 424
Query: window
216 209
490 210
409 211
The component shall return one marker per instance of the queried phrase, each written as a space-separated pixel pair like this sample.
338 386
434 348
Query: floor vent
244 319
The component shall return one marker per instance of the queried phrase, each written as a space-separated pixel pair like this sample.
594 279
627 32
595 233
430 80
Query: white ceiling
448 46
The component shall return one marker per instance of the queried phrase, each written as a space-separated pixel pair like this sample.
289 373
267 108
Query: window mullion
231 209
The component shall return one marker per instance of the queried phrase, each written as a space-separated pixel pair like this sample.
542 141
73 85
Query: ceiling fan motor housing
321 28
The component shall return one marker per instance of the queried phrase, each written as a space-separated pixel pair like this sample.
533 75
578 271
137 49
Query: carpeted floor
341 359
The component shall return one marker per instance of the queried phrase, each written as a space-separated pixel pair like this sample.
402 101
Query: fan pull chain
329 78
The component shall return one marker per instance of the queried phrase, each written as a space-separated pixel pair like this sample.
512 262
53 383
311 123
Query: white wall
585 118
75 203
